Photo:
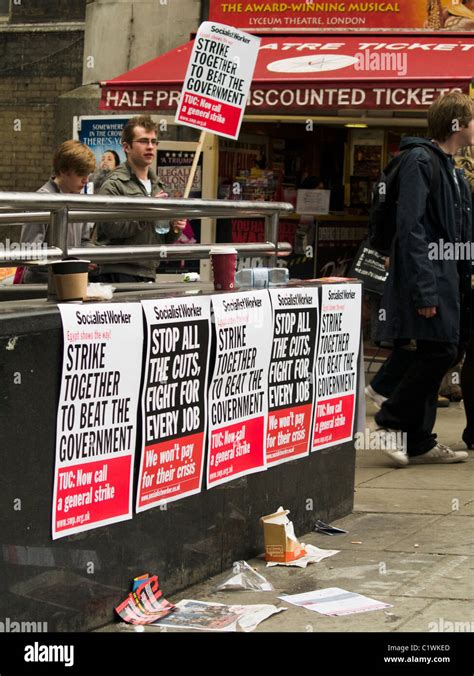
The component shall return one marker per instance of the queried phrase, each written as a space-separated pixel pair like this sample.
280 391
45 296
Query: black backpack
383 212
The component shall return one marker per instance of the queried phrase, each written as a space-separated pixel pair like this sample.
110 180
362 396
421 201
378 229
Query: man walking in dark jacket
427 293
135 178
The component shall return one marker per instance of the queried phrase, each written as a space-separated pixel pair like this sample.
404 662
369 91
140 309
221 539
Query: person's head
72 164
109 160
450 115
139 140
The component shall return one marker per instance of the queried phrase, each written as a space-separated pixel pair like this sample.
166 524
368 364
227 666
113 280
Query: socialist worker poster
97 415
336 369
290 376
238 392
174 399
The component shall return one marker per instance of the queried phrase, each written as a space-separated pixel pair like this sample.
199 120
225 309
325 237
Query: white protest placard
97 416
312 202
290 376
238 393
218 79
336 369
174 400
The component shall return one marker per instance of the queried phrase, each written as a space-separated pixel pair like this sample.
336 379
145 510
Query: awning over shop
317 74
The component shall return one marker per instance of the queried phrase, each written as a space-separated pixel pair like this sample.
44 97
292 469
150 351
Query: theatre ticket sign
218 80
311 15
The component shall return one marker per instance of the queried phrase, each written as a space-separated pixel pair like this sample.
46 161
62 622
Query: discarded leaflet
204 616
335 601
144 605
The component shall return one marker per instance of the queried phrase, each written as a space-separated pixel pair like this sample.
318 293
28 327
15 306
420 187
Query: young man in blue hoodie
427 293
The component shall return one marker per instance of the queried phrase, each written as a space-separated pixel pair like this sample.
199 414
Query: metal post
58 228
271 234
315 248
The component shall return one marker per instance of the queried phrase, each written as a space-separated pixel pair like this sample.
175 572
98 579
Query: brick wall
36 11
35 69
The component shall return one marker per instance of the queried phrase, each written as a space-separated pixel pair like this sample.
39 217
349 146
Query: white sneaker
390 445
439 454
377 398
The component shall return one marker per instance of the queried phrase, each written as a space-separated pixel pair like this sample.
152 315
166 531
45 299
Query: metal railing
60 209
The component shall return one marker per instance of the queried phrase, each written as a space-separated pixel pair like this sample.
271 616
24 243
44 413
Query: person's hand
161 194
386 263
427 312
178 225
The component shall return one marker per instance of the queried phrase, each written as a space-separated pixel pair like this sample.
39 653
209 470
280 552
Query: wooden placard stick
197 155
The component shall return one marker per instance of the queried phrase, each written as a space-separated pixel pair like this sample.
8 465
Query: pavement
410 543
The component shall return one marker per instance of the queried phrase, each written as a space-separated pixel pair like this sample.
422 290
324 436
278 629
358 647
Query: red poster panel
238 393
336 369
174 399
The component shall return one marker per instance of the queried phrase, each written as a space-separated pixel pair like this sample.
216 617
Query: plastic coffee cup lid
69 261
222 250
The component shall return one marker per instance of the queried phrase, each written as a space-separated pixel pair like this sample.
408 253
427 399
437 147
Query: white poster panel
238 393
97 415
174 399
218 79
336 364
290 376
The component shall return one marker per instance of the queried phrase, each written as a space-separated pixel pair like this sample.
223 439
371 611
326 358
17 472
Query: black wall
74 583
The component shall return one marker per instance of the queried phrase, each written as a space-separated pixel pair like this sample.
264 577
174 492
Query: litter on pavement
245 577
281 543
335 601
313 555
204 616
144 604
326 529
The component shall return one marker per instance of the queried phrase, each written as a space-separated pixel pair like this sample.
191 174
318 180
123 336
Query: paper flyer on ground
336 364
218 79
204 616
174 399
334 601
290 376
97 415
238 392
145 604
